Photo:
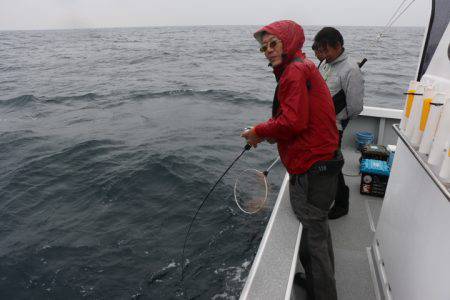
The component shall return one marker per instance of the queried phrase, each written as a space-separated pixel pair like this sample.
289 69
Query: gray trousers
311 197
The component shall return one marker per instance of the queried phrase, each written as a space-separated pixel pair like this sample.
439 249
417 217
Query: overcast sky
55 14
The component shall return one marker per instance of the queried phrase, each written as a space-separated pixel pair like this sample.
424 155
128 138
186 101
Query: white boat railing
273 268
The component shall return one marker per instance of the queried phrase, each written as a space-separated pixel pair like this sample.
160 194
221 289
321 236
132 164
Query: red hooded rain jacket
304 126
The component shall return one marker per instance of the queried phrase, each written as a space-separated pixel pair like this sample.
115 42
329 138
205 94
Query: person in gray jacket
346 84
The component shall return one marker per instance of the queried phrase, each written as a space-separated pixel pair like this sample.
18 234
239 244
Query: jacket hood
291 35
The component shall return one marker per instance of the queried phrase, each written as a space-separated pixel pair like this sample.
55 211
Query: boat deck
352 237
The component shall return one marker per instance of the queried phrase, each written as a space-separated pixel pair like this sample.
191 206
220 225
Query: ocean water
110 138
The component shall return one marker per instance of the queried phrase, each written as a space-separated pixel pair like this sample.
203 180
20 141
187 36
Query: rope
395 17
396 11
403 11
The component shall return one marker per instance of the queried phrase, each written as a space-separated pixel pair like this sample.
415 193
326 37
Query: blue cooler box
374 177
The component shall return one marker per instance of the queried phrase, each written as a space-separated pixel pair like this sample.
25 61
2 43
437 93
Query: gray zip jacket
345 82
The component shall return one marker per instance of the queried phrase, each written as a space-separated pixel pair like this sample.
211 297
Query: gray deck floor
352 235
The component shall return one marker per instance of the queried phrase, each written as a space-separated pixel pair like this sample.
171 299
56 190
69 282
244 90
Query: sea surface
110 138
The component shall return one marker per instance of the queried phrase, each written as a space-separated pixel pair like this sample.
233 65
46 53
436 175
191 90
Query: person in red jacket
303 124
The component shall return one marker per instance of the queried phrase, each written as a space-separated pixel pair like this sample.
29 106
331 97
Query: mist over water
110 138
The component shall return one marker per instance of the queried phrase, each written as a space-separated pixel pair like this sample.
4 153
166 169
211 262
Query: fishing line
374 43
395 13
403 11
395 17
246 148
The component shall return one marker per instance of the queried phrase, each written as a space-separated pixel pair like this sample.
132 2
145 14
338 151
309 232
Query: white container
415 114
437 151
408 104
425 104
444 174
432 123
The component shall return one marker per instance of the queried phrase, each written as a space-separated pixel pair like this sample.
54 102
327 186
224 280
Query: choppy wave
240 98
20 101
29 100
84 97
143 59
232 97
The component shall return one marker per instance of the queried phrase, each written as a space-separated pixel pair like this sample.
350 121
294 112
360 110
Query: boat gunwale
424 165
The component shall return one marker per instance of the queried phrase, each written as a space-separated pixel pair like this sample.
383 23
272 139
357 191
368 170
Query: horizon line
203 25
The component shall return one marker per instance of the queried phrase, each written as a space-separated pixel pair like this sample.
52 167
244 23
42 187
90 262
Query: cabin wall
411 241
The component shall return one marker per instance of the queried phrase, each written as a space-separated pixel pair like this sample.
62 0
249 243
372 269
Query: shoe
337 212
300 279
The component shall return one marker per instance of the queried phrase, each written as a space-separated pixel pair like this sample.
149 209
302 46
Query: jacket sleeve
294 108
354 91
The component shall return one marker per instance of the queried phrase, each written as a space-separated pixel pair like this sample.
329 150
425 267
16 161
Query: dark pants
311 196
342 191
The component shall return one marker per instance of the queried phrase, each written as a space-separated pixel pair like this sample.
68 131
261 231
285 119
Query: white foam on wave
171 265
245 264
234 280
223 296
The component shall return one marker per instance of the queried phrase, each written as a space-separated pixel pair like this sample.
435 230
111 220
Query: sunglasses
272 44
